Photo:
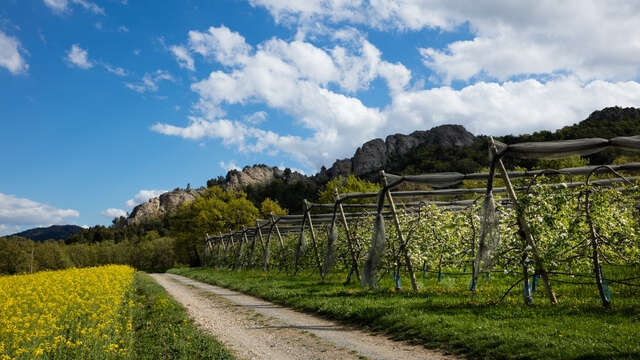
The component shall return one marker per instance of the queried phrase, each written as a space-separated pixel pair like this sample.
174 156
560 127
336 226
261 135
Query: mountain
53 232
440 149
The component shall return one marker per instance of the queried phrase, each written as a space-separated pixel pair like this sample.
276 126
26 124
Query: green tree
345 185
269 206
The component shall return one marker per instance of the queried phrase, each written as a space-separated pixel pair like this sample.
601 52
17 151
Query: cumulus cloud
219 43
63 6
10 54
123 28
79 57
183 57
111 213
16 213
143 196
588 38
149 82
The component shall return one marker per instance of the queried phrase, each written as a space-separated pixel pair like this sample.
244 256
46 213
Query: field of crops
76 313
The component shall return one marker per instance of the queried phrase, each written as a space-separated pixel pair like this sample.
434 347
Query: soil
256 329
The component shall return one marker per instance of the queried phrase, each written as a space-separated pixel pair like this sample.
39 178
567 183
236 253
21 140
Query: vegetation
96 313
444 314
70 314
163 329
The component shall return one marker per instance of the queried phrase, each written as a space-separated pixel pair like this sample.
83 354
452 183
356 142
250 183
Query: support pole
524 230
594 248
350 241
313 235
403 242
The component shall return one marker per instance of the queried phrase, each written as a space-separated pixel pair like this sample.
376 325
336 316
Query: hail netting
330 249
302 247
376 251
564 148
489 235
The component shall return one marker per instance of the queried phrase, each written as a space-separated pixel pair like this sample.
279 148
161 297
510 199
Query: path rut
257 329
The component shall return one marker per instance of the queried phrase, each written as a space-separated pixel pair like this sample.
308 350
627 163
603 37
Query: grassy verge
163 329
443 315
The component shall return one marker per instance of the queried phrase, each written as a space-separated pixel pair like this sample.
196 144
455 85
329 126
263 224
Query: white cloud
183 57
123 28
111 213
79 57
10 56
150 81
18 212
231 165
512 107
116 70
62 6
219 43
256 118
589 39
136 52
143 196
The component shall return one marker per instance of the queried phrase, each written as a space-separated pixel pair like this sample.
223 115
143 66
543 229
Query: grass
444 314
163 329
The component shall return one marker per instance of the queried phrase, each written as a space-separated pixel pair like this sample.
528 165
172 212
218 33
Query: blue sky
106 103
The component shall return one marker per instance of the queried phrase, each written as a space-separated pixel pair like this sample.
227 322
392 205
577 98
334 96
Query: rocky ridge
378 154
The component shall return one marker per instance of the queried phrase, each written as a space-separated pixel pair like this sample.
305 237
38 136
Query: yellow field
75 313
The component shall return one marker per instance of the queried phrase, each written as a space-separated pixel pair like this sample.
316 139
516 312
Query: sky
104 104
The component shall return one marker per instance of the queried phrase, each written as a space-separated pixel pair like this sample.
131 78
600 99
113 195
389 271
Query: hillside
53 232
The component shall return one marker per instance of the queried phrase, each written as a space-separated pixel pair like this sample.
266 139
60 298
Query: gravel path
256 329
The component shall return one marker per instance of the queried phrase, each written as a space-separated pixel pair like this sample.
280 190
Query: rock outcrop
251 175
166 203
377 154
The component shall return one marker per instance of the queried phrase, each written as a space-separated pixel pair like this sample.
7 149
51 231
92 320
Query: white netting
330 249
489 235
302 247
376 252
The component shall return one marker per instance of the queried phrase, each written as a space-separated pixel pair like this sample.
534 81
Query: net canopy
330 249
565 148
376 252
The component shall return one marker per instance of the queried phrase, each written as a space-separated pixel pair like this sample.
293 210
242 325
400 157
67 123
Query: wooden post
403 244
594 256
313 235
354 258
525 232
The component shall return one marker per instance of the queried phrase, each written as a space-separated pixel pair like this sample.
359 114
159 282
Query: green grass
445 315
163 329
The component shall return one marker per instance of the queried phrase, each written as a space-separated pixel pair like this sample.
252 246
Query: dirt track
256 329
